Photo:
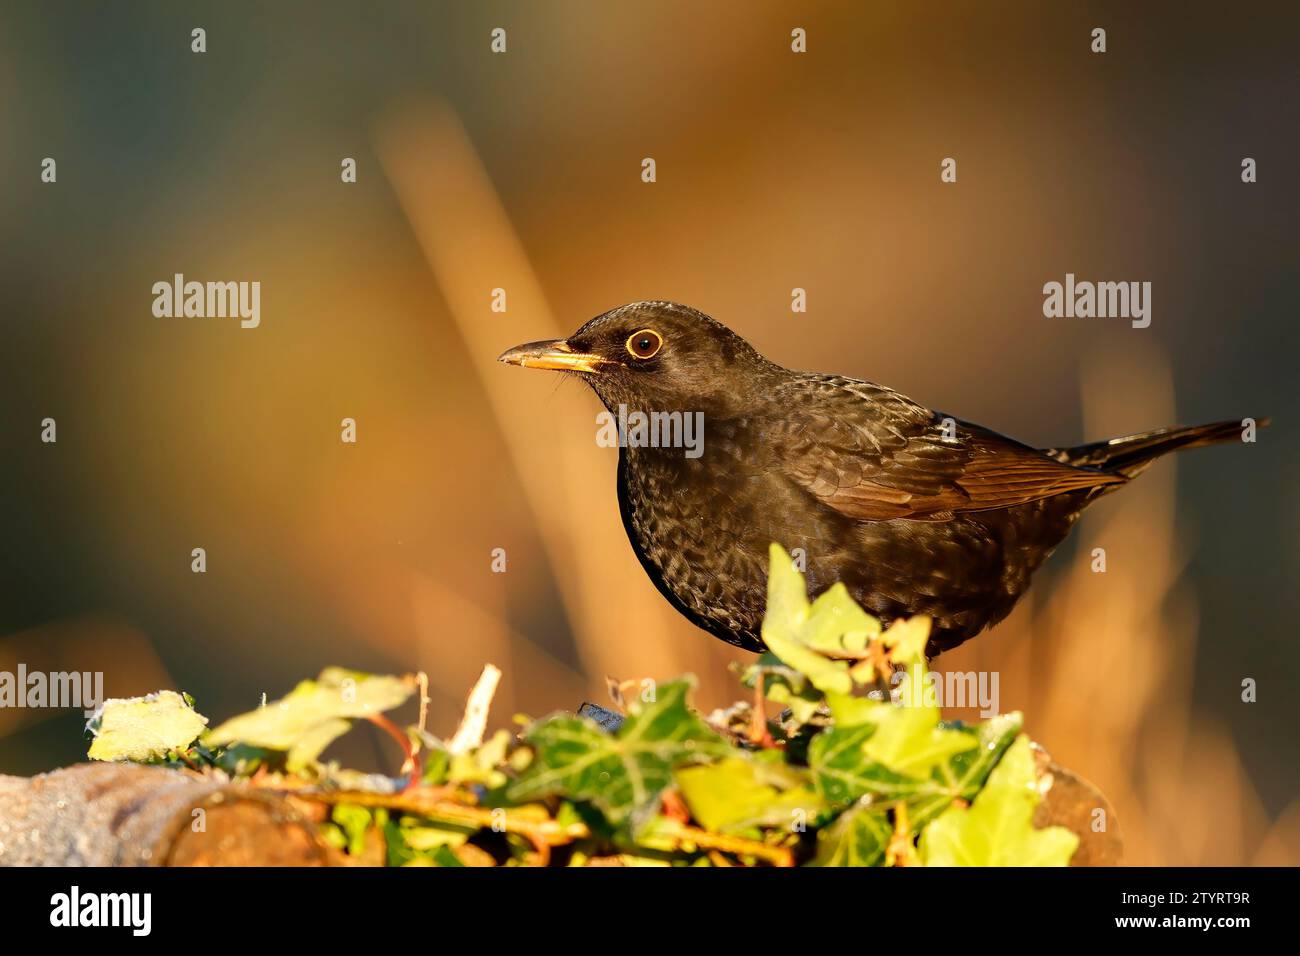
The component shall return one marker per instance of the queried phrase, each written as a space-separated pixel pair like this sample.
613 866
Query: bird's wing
873 454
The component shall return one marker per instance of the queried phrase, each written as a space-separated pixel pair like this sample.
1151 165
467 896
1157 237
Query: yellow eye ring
644 344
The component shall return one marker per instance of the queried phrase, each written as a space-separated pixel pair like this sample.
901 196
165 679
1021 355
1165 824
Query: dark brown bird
915 511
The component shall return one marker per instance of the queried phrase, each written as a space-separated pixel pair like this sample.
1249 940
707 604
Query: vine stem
776 855
413 764
550 833
758 732
432 803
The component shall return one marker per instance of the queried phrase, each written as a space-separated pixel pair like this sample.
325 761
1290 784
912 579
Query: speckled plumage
916 512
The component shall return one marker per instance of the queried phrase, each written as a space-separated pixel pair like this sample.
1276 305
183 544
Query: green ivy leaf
313 714
836 622
623 773
997 828
746 793
144 728
446 856
965 773
909 740
482 764
858 837
422 838
796 631
354 821
846 767
784 685
311 744
850 711
907 640
437 763
843 773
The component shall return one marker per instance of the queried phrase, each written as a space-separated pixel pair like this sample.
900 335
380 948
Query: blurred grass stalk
619 621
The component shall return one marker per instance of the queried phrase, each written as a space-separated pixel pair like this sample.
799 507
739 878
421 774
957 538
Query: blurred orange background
522 171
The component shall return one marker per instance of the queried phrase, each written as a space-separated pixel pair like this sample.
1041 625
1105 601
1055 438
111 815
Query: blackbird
916 512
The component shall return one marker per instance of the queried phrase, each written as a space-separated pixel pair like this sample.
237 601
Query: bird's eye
644 344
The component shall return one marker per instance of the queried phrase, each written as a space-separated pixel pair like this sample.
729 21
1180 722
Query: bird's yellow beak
556 354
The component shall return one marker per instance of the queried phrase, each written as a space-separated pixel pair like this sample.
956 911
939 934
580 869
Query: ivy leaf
784 685
313 714
622 774
894 751
997 829
836 622
826 675
846 765
842 771
445 856
744 793
311 744
965 773
909 740
906 639
437 762
850 711
787 596
354 822
144 728
858 837
420 837
482 764
796 631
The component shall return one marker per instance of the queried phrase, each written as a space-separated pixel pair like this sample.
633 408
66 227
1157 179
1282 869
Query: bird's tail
1130 456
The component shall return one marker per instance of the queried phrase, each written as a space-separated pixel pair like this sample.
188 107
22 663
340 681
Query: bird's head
655 356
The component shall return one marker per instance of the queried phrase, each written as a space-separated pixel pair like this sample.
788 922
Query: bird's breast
699 530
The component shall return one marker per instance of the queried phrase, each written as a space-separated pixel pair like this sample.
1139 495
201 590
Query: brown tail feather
1130 456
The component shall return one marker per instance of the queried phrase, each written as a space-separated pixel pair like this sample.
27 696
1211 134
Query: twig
673 806
470 733
543 850
738 846
759 735
432 803
422 682
901 851
413 764
427 803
